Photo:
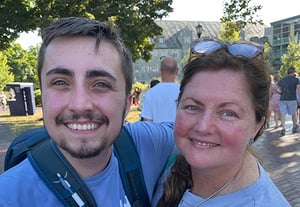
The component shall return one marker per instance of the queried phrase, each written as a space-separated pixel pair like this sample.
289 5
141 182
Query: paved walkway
281 158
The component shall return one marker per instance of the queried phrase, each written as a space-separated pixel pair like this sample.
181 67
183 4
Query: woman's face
215 119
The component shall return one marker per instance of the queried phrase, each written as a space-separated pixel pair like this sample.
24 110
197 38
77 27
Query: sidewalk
281 158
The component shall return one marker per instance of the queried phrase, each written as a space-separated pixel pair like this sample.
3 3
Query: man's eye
102 85
59 83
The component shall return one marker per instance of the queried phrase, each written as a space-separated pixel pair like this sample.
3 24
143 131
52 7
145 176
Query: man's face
83 95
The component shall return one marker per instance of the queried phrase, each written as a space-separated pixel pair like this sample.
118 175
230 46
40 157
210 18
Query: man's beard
85 151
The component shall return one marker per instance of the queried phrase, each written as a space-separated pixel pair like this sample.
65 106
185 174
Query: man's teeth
83 127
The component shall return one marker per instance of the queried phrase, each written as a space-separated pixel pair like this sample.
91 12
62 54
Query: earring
251 141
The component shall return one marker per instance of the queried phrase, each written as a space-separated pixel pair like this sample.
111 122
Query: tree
6 76
268 56
22 63
134 18
291 58
236 15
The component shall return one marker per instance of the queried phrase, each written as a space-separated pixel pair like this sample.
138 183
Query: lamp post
199 30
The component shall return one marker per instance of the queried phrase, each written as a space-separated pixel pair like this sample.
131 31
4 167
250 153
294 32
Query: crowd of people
85 71
284 100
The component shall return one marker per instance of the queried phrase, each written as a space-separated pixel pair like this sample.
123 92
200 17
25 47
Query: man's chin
83 150
84 153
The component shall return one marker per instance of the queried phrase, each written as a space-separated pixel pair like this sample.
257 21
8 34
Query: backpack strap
57 173
131 170
60 177
18 148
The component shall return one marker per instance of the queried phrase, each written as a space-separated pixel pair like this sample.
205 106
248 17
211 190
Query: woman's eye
191 108
229 114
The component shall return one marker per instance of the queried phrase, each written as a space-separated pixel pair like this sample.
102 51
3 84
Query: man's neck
90 166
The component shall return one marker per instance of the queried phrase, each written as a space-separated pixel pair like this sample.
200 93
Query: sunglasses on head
242 48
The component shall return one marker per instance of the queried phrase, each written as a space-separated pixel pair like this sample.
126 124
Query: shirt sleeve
155 144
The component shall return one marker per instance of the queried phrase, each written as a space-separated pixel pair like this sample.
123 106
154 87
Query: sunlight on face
83 94
215 119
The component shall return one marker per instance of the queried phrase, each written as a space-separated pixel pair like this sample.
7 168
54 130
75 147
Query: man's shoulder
22 170
22 174
149 127
287 80
164 86
150 132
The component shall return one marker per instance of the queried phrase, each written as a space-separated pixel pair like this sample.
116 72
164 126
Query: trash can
21 99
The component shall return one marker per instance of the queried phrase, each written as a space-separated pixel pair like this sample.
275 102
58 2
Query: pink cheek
180 127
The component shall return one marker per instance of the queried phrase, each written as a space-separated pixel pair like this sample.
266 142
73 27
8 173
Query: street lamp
199 30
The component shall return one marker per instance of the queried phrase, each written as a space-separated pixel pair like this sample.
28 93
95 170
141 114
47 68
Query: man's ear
128 104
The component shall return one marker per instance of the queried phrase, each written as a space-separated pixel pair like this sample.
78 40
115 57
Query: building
175 41
282 31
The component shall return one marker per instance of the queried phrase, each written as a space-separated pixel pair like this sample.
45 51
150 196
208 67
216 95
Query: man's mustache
86 116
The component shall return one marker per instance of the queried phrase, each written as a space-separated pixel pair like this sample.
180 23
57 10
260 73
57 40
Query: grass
20 124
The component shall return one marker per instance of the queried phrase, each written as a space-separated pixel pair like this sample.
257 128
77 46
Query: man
85 73
153 83
160 101
289 86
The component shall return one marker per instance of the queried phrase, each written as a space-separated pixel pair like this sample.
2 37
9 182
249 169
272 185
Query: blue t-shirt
262 193
21 186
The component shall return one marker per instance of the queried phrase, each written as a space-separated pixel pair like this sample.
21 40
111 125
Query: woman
222 108
274 101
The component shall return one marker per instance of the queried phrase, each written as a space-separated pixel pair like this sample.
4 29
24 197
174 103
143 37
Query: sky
212 10
208 10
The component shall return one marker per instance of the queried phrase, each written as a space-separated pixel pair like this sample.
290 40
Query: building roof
210 28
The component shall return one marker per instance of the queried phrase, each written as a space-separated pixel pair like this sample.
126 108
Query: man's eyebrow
99 73
62 71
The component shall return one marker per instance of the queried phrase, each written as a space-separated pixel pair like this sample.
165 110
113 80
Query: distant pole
199 30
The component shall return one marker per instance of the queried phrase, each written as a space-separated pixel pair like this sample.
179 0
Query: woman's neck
235 178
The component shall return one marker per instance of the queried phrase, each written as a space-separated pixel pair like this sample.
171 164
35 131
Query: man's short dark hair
291 70
77 26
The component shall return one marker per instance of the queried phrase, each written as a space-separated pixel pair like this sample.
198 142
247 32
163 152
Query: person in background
136 96
298 103
85 72
3 100
222 109
142 95
274 101
160 102
289 86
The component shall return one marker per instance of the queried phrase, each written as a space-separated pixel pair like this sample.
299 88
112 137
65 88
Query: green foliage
139 85
236 15
15 17
38 97
134 18
229 32
269 57
6 76
22 63
291 58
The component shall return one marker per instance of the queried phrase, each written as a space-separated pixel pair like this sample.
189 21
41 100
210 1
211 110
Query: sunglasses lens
206 47
245 50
